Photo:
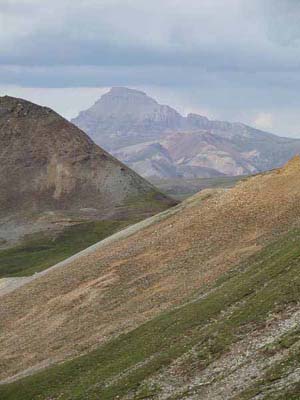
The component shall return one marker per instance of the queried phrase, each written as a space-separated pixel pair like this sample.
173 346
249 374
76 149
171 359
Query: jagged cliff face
48 163
144 134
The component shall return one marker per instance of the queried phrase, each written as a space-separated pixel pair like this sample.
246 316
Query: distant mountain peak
122 113
119 99
120 90
123 98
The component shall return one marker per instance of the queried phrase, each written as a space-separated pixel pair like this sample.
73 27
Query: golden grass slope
72 309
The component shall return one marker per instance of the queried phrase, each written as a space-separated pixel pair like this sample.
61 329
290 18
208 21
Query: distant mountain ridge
156 141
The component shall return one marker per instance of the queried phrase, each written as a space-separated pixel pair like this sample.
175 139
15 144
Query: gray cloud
212 34
234 58
282 22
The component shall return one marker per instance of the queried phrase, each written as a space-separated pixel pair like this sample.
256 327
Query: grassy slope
266 283
43 251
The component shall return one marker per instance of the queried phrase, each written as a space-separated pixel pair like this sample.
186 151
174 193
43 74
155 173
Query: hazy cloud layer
237 59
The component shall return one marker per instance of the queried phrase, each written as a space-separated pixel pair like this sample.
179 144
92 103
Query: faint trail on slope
8 285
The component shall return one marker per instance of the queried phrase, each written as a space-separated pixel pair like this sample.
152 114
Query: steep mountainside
48 163
199 302
52 174
156 141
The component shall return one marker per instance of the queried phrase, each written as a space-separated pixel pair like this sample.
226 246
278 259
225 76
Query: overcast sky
235 60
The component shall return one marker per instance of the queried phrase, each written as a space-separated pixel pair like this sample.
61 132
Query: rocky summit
124 117
156 141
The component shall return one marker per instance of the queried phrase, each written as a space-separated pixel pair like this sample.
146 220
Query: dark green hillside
41 252
44 250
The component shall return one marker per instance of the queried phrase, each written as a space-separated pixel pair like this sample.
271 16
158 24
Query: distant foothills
157 142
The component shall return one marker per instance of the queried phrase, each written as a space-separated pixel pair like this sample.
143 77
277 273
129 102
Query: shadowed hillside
48 163
53 178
